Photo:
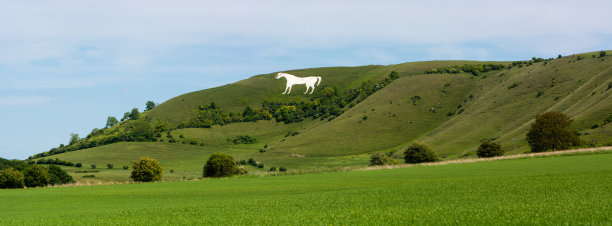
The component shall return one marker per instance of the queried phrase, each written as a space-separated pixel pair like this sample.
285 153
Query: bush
252 162
11 178
93 166
126 167
36 176
282 169
146 169
260 165
551 131
58 176
244 139
489 149
418 152
602 53
379 158
78 165
273 169
241 170
110 166
219 165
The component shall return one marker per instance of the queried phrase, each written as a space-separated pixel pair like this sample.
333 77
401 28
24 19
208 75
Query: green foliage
380 158
273 169
244 139
474 69
55 161
489 149
602 53
260 165
146 169
36 176
134 114
418 153
252 162
11 178
111 121
219 165
551 131
93 166
58 176
282 169
149 105
125 116
74 138
126 167
78 165
108 165
15 164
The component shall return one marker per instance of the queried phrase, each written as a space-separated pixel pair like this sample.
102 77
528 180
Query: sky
65 66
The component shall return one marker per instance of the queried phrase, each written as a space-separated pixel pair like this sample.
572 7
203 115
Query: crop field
569 189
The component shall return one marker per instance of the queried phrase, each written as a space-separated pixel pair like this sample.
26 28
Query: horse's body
293 80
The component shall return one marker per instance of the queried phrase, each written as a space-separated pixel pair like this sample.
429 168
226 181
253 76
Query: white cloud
21 101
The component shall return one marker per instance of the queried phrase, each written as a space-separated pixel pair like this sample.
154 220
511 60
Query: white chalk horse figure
294 80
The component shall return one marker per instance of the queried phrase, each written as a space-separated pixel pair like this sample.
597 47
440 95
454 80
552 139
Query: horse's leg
313 87
307 87
286 88
289 90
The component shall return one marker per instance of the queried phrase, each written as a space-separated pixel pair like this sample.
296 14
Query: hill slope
450 112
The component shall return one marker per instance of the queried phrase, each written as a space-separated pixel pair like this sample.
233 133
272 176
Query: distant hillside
445 104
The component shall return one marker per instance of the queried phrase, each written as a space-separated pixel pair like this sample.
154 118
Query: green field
570 190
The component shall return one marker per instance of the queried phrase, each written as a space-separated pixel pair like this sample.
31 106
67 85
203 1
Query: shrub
219 165
242 162
252 162
602 53
146 169
418 152
93 166
273 169
58 176
11 178
36 176
379 158
244 139
282 169
78 165
551 131
241 170
110 166
489 149
260 165
261 150
172 170
126 167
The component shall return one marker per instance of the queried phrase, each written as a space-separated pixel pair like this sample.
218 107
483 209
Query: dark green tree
11 178
489 149
125 116
394 75
551 131
379 158
418 152
149 105
74 138
111 121
219 165
602 53
58 176
36 176
146 169
134 114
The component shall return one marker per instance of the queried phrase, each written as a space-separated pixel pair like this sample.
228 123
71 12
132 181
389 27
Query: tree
418 152
149 105
219 165
125 116
146 169
74 138
111 121
110 166
602 53
58 176
551 131
489 149
394 75
11 178
36 176
134 114
78 165
379 158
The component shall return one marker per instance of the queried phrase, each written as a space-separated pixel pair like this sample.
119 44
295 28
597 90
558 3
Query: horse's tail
318 80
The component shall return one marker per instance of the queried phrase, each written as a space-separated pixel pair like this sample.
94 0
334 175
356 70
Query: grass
569 190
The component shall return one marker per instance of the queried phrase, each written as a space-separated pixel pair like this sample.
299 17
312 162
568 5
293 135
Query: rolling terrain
451 112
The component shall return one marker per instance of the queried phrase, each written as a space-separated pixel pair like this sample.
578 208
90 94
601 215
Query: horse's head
279 75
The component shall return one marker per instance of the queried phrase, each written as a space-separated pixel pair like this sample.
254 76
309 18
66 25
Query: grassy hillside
572 190
453 113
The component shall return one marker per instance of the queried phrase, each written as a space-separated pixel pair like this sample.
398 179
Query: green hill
452 112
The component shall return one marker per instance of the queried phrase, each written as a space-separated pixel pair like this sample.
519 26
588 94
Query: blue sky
65 66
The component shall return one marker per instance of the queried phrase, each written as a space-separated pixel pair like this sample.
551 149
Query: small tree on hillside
551 131
36 176
58 176
146 169
11 178
149 105
111 121
380 158
489 149
418 153
134 114
74 138
219 165
602 53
